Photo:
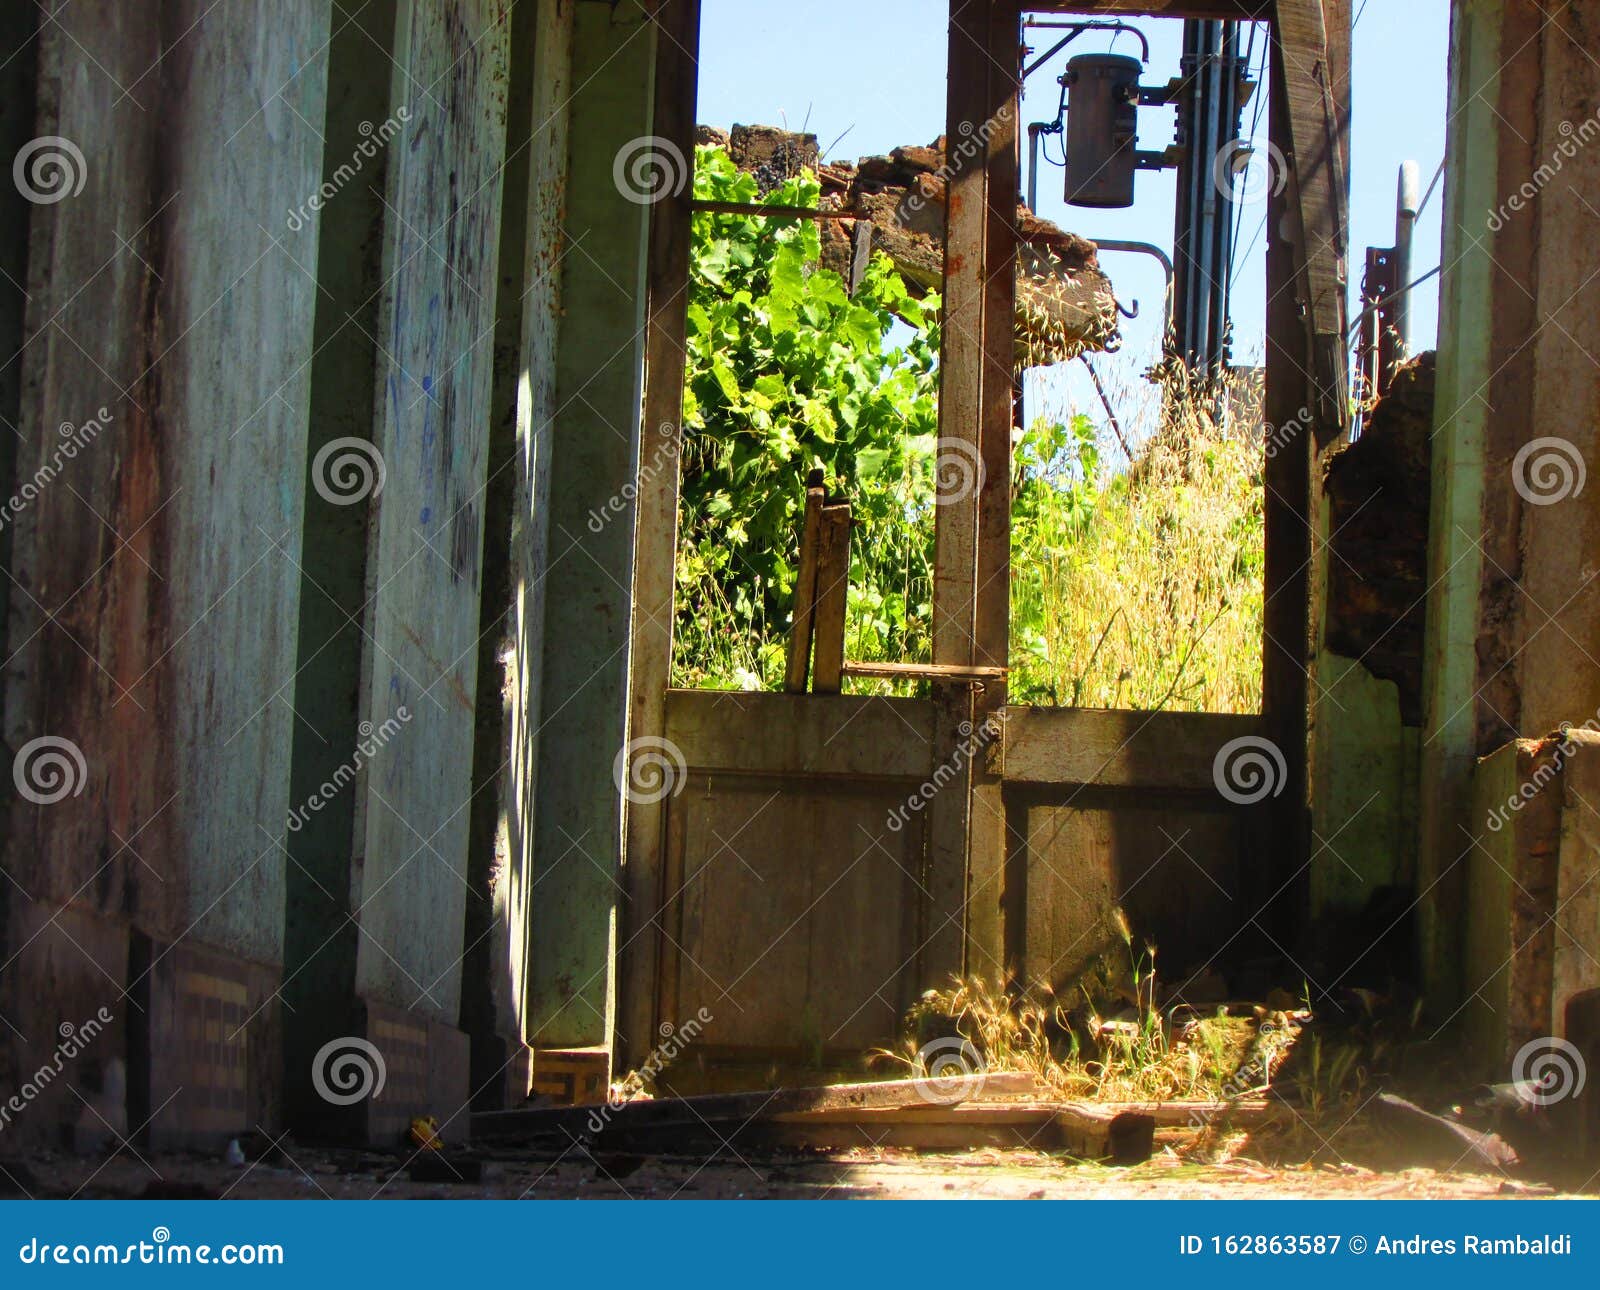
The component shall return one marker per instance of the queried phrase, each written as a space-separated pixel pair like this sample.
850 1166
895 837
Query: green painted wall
1454 559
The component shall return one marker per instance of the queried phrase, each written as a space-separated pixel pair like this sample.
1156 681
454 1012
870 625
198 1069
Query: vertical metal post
1408 199
1208 120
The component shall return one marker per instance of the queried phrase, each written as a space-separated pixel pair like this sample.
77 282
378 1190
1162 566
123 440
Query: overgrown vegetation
1133 584
1105 1035
787 373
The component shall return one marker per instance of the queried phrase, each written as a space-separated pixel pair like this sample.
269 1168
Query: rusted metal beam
1306 398
769 210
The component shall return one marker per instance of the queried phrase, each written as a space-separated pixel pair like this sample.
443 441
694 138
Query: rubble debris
1378 489
1065 304
1436 1139
442 1167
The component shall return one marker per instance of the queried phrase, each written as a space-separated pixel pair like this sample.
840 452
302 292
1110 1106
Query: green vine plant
1133 584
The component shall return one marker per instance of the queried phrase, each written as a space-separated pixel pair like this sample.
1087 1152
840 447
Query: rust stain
457 689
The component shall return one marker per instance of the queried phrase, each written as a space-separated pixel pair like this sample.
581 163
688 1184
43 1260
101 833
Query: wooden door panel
791 905
1124 810
797 912
1172 869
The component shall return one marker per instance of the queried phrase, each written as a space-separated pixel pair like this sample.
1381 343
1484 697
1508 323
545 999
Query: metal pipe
1034 131
1407 206
1143 248
1081 26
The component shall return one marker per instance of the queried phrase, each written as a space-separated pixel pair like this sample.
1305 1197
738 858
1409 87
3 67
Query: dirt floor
870 1173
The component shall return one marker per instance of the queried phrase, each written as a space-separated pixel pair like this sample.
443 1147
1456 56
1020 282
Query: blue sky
873 72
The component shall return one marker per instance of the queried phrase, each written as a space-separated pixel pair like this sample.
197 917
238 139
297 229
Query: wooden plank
924 672
535 434
506 753
860 736
320 937
944 918
798 668
580 812
437 318
800 915
992 593
1488 307
152 584
717 1108
656 541
833 593
1172 868
1145 750
769 211
1002 1110
1318 198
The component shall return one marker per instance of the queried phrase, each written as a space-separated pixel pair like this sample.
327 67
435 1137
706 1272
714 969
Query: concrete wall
1512 610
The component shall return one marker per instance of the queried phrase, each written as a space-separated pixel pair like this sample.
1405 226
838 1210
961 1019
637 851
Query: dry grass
1103 1036
1151 595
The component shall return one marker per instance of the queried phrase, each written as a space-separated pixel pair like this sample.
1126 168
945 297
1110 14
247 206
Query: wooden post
656 529
833 592
580 814
798 669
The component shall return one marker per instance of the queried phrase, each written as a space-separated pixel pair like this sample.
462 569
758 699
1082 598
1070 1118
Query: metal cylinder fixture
1102 129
